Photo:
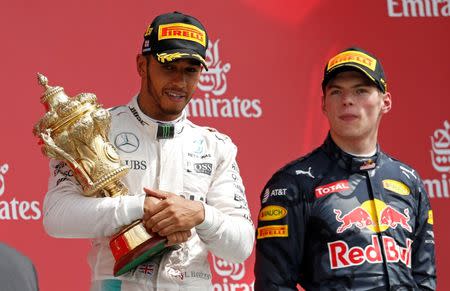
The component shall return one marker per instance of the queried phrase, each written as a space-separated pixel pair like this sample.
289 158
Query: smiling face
353 106
166 88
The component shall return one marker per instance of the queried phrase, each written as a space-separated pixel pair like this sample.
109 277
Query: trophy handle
48 140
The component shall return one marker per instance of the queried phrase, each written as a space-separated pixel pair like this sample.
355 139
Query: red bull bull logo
357 217
343 256
393 218
374 215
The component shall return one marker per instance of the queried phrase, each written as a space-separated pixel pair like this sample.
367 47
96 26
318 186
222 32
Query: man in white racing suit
183 181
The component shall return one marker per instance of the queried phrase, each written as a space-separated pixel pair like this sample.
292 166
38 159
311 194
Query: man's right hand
172 239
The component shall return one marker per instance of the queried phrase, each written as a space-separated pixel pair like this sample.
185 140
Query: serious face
167 88
353 106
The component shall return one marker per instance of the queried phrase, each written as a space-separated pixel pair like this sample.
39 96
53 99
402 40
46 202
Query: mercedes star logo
127 142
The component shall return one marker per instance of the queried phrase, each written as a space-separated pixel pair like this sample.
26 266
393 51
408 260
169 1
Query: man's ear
324 110
387 103
141 65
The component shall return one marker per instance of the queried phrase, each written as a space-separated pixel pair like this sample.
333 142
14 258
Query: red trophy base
133 246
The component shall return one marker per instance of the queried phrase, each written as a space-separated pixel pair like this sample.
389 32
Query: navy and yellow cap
355 59
175 35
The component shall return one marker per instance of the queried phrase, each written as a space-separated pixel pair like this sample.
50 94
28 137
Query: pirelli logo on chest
273 231
331 188
182 31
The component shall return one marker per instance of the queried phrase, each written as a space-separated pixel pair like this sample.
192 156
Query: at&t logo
230 274
15 209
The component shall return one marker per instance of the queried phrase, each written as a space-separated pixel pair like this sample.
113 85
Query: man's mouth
175 95
348 117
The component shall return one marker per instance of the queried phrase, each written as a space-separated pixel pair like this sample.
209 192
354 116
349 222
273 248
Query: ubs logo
126 142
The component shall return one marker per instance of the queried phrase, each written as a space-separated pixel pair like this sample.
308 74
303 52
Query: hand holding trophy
75 130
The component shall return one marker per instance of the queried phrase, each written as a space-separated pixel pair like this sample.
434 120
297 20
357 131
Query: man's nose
347 98
179 78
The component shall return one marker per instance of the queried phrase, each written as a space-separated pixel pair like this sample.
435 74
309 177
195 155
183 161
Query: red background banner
263 90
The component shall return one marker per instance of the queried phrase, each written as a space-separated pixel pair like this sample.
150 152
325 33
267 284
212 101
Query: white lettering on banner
440 160
418 8
341 256
214 84
15 209
3 170
230 272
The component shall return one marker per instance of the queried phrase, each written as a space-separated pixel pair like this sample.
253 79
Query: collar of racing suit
347 161
155 128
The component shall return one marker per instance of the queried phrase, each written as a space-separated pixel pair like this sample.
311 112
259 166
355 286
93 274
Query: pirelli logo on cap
396 186
273 231
182 31
352 57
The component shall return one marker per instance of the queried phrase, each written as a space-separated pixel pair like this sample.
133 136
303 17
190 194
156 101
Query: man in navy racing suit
347 216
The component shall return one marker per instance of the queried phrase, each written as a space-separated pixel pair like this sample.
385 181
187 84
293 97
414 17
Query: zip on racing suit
194 162
332 221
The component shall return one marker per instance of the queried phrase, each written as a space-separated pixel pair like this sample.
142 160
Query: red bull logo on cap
374 215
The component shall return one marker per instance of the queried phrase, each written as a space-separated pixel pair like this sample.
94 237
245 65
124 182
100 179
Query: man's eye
361 91
168 67
192 69
335 92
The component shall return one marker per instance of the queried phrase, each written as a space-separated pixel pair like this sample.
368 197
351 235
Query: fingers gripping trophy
75 130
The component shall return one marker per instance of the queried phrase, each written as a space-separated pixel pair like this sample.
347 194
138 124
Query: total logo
374 215
15 209
213 83
231 275
440 160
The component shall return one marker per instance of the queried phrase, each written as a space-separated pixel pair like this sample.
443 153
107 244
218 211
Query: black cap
175 36
355 59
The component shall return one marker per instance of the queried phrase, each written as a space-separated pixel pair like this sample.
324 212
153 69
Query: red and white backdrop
262 89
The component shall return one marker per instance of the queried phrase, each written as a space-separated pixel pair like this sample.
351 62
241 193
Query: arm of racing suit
280 239
423 250
69 214
227 229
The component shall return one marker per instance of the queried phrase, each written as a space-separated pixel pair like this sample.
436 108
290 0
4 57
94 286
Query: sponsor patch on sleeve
273 231
430 217
272 212
396 186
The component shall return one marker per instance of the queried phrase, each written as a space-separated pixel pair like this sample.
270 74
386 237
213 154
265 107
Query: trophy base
134 259
133 246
